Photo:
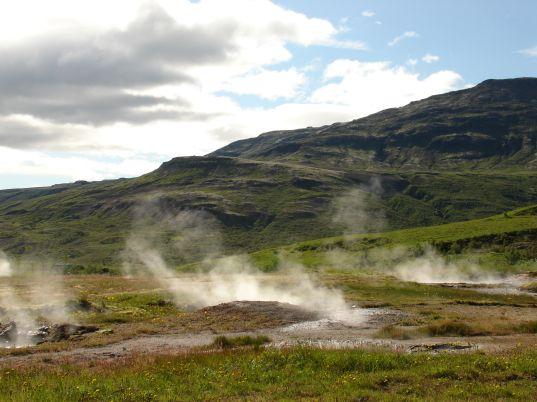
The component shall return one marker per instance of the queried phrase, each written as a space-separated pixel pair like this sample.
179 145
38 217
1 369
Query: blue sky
478 38
106 89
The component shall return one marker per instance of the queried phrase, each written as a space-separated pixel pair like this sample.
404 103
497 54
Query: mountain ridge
496 129
283 186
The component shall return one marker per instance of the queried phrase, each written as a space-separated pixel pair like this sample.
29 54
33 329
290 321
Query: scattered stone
61 332
39 335
8 332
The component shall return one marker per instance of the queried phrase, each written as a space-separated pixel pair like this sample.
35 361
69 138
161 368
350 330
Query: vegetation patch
529 327
453 328
275 374
225 342
394 332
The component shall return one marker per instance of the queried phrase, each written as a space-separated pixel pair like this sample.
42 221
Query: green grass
83 228
503 243
225 342
293 374
472 229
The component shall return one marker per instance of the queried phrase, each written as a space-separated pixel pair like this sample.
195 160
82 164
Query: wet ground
303 328
289 325
512 285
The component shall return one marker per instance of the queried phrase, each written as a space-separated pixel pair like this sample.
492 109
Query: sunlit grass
281 374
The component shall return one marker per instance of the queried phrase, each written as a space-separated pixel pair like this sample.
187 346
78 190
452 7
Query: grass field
292 374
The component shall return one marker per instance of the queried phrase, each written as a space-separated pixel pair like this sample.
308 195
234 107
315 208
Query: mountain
492 125
452 157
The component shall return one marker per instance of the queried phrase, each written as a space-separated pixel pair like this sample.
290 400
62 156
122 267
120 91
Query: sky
103 89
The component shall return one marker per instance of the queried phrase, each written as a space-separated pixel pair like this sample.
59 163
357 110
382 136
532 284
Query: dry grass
395 332
530 287
529 327
453 328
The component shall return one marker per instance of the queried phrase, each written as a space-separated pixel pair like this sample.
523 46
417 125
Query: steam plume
42 296
227 278
5 266
433 268
358 210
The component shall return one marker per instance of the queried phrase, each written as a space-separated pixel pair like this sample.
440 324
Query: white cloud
346 44
267 84
129 93
134 61
72 167
430 58
531 51
412 62
367 87
368 13
406 35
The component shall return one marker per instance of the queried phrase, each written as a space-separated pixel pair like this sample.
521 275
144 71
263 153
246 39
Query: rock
82 304
440 347
8 332
61 332
39 335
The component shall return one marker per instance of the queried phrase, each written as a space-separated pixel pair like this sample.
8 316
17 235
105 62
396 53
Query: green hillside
506 242
454 157
489 126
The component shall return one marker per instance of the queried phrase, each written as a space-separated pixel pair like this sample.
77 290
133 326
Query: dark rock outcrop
491 124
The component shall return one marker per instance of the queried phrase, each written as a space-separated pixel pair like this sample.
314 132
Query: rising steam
42 297
226 278
358 210
5 266
434 268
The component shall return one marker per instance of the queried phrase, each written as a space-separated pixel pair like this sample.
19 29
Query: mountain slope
491 125
292 190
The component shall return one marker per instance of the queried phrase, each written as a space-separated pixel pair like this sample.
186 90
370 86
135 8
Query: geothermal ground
145 338
129 316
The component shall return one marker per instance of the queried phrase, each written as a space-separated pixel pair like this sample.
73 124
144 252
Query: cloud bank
100 90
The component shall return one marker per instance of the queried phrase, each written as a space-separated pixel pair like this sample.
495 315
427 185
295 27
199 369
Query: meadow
289 374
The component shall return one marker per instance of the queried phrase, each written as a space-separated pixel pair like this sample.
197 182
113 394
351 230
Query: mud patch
248 315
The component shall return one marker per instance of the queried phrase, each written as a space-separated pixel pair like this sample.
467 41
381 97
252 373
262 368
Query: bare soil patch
249 315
